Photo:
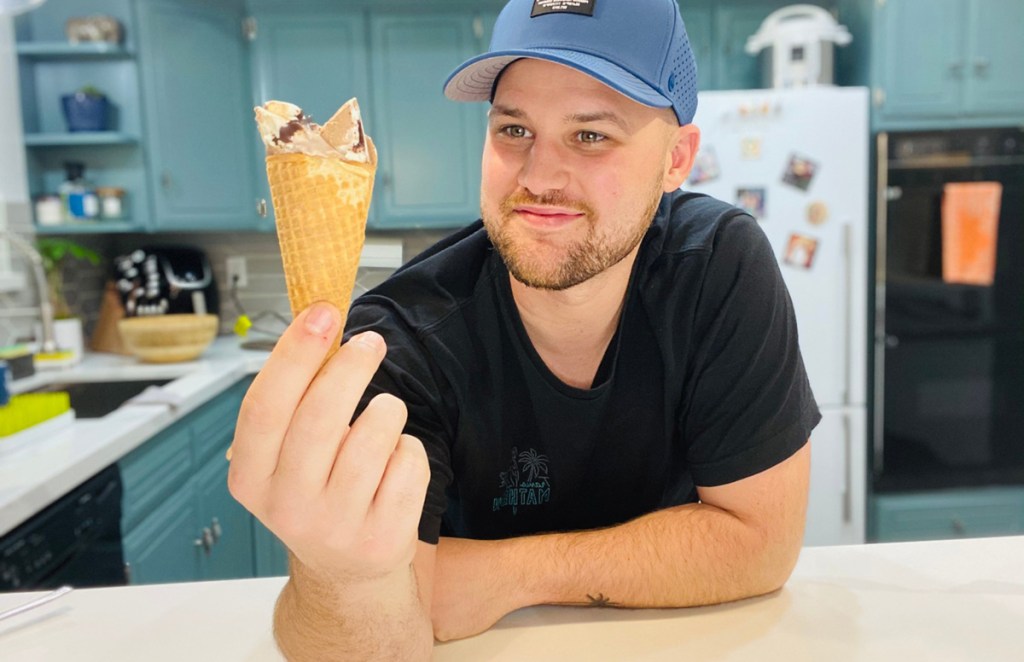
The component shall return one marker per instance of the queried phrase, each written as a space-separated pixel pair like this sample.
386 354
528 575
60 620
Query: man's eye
590 137
514 131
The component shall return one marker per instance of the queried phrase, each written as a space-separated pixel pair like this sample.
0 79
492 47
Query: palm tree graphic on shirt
534 464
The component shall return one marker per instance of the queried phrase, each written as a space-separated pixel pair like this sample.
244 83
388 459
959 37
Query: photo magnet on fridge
751 200
750 149
817 213
799 172
800 251
705 166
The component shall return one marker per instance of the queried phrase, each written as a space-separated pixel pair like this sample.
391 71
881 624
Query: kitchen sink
97 399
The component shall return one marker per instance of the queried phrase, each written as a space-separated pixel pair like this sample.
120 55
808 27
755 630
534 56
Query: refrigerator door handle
881 227
847 311
847 470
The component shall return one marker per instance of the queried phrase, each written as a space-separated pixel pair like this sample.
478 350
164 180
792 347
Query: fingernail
371 339
227 455
319 320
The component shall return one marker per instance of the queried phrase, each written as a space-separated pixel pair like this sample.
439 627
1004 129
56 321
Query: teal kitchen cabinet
49 67
179 522
198 112
316 60
430 147
697 19
271 554
734 68
966 513
939 64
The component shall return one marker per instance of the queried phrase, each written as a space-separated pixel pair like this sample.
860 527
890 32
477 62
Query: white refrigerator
798 161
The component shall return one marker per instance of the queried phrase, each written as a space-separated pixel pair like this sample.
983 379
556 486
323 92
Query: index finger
279 386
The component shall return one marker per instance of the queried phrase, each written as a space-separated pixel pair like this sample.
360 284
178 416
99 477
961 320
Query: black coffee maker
166 280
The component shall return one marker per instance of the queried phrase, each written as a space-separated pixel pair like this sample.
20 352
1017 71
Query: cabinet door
430 147
735 69
231 555
199 114
162 548
995 77
314 60
271 554
698 28
920 57
836 506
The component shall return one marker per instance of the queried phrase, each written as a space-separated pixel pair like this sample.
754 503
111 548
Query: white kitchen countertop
936 601
34 474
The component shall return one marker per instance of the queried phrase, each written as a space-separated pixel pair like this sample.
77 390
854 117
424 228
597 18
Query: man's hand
346 500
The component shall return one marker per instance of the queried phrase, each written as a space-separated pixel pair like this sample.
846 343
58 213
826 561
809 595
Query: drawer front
213 424
153 471
948 515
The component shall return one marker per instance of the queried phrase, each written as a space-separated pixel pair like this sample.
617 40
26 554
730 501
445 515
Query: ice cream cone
320 206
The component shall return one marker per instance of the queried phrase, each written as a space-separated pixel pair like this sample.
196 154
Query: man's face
573 172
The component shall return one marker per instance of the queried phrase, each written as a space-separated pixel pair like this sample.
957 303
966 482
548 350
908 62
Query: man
593 397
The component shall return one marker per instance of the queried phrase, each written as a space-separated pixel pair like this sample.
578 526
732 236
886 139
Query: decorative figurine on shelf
86 110
94 28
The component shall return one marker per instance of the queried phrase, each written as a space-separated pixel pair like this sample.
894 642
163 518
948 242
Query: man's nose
544 168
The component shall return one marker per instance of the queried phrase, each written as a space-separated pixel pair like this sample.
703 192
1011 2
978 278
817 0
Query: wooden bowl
168 338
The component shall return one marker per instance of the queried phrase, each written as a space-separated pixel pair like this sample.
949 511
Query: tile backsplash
264 298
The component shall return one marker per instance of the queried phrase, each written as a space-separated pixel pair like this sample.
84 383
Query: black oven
949 324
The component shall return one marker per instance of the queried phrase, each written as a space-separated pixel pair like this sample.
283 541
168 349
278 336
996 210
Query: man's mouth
547 217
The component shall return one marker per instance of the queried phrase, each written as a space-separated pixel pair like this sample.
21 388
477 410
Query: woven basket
168 338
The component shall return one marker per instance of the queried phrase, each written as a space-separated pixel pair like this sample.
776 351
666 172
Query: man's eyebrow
599 116
508 111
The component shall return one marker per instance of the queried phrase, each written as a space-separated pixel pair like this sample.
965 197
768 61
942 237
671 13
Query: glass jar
112 202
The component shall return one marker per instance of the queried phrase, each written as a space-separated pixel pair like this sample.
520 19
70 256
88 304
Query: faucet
48 343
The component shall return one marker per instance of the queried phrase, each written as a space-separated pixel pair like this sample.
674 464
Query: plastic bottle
78 199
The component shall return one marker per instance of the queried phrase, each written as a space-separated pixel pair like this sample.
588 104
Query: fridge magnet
800 250
817 213
751 200
705 166
800 172
750 149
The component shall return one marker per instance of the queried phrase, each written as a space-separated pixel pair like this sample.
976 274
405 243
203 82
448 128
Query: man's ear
679 161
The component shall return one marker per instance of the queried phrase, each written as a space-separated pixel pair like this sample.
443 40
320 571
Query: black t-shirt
702 383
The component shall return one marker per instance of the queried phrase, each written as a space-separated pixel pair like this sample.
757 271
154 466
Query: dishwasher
74 541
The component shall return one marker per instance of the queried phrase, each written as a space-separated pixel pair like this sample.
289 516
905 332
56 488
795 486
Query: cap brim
474 79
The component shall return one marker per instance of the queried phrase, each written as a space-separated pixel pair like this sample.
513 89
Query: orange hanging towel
970 225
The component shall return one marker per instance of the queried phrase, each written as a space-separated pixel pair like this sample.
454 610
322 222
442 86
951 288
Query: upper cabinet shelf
79 139
64 51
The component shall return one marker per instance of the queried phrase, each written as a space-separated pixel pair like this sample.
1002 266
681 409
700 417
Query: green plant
91 90
56 254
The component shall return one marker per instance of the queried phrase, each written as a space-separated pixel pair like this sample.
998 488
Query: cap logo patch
583 7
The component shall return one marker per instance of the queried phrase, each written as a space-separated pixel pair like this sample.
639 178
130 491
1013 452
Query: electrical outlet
238 273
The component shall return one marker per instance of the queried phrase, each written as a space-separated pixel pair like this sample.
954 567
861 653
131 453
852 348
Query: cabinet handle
165 180
959 528
956 68
981 65
216 529
127 572
205 540
261 207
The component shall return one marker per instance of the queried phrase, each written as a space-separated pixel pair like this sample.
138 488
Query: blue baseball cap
637 47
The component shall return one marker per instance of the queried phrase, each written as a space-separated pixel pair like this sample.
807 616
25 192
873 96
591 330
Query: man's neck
571 329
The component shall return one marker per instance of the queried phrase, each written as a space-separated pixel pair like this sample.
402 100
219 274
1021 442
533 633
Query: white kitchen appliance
798 41
798 161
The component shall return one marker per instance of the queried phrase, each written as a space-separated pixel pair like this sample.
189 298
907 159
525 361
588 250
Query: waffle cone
320 206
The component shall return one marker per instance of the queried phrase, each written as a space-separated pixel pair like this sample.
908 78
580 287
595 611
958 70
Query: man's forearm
379 620
684 556
689 555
